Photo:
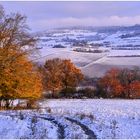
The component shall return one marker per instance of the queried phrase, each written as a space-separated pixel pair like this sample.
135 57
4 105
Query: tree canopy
121 83
19 78
61 74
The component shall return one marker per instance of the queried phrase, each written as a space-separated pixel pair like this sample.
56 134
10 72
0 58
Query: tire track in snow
61 128
61 131
87 131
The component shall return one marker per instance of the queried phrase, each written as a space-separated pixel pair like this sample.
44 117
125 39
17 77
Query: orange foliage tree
135 89
121 83
61 74
128 78
53 75
71 75
18 76
111 85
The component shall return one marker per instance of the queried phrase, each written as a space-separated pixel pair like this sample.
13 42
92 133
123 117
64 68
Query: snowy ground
79 58
93 64
97 118
66 37
101 66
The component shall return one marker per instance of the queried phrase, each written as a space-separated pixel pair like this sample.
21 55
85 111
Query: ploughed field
74 118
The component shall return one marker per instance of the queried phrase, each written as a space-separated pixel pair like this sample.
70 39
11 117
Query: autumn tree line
21 78
120 83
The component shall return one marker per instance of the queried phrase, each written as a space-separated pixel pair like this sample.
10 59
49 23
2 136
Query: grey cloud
88 21
45 14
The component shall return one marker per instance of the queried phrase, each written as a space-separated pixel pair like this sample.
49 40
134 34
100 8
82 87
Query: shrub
32 104
87 92
68 92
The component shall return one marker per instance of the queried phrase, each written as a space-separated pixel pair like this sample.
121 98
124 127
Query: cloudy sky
44 15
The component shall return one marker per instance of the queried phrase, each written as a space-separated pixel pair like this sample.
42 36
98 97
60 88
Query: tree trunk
7 104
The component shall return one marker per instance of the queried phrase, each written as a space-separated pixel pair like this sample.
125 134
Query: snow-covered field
124 53
67 37
90 118
79 58
101 66
93 64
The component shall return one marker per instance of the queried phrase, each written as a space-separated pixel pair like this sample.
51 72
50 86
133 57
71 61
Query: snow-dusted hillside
105 37
122 43
92 118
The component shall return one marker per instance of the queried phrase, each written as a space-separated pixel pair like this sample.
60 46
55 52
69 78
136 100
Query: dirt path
87 131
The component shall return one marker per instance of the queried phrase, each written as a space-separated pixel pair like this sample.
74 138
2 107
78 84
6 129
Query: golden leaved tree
53 75
71 74
60 74
19 78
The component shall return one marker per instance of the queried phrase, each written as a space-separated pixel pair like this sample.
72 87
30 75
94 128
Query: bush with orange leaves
135 89
121 83
111 84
